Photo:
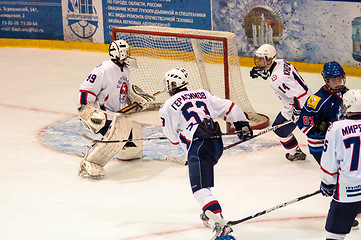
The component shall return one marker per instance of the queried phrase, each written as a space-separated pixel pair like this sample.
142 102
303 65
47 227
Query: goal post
210 58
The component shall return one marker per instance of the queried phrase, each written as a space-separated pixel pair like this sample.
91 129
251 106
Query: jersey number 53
188 115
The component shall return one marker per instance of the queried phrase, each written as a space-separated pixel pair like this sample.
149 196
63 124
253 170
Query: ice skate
223 233
205 220
299 155
355 225
91 170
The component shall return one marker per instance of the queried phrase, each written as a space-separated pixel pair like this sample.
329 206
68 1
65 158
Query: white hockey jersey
182 113
108 84
341 160
288 84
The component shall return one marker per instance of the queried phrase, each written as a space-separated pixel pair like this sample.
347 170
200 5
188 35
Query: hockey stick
163 138
180 161
127 108
224 222
258 134
131 140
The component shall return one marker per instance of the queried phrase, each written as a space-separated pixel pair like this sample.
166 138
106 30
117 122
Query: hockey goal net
210 58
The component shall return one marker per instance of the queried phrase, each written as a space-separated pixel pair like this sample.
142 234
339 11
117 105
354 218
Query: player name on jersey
187 96
351 129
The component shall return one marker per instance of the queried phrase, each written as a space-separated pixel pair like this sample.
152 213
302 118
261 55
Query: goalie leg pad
101 153
132 150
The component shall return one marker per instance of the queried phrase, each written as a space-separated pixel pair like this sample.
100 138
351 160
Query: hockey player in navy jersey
322 108
107 90
341 168
290 88
187 120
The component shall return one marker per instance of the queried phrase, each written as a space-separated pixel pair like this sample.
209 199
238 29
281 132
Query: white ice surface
43 198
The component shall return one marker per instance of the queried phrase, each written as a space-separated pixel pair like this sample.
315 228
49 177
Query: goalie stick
127 108
117 141
258 134
224 222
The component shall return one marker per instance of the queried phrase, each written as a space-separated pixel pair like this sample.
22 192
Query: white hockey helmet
351 101
176 80
119 50
268 53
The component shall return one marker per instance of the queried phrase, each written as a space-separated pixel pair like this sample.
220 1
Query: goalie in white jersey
187 120
341 168
290 88
106 91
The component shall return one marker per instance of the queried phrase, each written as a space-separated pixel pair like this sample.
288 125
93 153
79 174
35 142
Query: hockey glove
243 130
322 128
319 130
136 94
296 114
259 72
92 117
327 190
296 109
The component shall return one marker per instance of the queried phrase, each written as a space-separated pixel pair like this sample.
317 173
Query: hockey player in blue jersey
340 168
323 108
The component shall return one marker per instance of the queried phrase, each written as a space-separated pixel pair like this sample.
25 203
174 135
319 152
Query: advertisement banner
303 30
31 19
312 31
194 14
83 20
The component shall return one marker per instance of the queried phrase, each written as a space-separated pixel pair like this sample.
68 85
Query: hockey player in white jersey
187 120
290 88
341 168
107 89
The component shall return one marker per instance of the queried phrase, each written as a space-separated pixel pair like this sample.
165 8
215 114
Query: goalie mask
176 80
334 76
119 50
351 102
265 56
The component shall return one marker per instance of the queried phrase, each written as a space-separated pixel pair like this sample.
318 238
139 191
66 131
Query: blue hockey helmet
332 70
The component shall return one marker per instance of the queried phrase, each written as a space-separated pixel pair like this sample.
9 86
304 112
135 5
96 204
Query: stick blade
177 160
214 217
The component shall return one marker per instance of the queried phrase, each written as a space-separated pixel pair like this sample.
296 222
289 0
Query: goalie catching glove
243 130
137 95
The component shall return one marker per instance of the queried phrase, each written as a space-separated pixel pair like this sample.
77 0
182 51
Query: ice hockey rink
43 198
